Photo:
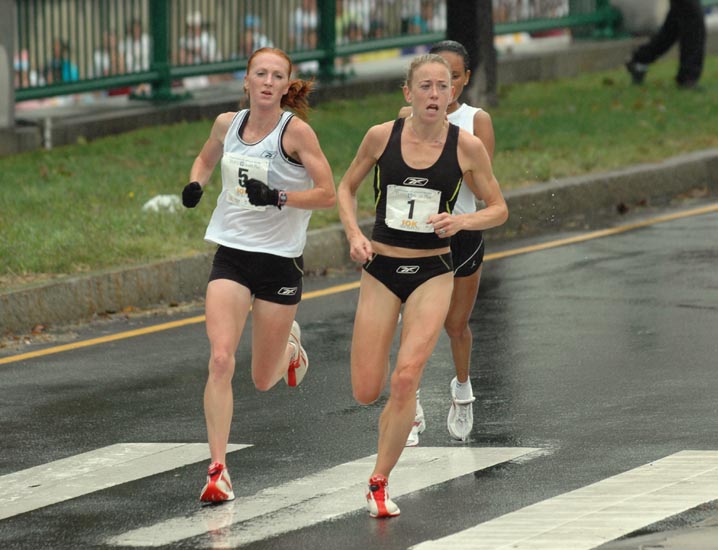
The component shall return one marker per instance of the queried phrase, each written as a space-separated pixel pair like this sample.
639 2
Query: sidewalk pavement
586 202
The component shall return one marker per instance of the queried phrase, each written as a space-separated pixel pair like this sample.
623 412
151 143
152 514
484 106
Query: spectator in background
61 68
304 34
417 24
304 25
108 59
409 9
25 77
349 24
136 47
198 45
377 26
253 38
427 19
685 24
377 29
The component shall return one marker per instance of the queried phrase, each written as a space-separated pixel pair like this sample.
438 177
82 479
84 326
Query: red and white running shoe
219 486
377 499
299 362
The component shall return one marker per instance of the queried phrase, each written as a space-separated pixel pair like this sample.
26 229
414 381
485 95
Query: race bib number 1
409 208
236 170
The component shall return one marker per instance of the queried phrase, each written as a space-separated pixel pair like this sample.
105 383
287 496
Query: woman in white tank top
273 174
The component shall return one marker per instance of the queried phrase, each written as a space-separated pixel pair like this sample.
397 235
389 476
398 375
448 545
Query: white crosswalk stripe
316 498
604 511
85 473
583 519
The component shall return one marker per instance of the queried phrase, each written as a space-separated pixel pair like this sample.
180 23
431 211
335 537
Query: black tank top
409 193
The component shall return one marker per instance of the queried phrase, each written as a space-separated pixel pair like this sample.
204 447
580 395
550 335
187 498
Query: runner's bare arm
368 153
301 142
211 151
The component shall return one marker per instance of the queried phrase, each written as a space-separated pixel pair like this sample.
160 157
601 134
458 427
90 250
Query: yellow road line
354 285
102 339
604 232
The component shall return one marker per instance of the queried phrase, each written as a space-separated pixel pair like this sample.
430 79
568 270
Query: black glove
260 194
191 194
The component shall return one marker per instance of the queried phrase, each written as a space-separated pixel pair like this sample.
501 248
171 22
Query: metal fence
71 46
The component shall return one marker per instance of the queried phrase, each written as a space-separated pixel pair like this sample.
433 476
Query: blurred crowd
202 40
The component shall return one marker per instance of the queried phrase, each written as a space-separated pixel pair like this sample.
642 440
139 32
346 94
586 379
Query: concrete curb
572 203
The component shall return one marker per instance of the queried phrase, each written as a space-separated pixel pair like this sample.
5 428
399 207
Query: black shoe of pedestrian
637 71
689 85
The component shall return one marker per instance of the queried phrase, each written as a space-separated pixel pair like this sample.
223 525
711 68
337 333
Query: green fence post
327 39
577 8
160 61
612 18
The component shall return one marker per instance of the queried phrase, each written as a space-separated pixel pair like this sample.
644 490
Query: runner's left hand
260 194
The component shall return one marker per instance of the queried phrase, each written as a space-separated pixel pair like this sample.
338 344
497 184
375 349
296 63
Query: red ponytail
296 97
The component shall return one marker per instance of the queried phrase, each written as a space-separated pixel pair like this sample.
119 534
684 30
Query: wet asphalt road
600 353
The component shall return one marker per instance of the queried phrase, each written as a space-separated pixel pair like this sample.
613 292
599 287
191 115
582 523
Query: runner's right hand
191 194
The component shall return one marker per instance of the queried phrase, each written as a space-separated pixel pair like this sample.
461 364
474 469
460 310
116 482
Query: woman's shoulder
468 140
481 114
297 126
382 129
226 118
222 123
378 135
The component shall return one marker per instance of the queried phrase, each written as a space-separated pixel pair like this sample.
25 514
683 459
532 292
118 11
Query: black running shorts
268 277
467 252
404 275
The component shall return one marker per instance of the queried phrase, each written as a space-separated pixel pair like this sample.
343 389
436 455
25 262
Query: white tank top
463 117
236 223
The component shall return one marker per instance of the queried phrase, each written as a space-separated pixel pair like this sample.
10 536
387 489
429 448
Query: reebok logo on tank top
416 182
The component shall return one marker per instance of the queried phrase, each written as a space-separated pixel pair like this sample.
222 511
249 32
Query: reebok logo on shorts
287 291
407 269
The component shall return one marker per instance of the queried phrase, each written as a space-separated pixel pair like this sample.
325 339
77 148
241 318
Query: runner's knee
221 365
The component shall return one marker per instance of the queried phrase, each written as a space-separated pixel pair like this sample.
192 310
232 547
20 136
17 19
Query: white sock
463 390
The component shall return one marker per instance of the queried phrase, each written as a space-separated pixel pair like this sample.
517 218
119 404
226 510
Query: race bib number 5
409 208
236 170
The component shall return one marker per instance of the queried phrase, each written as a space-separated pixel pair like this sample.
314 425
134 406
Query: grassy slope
78 208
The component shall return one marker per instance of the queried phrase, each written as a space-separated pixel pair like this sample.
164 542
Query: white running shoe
218 487
417 427
299 363
377 499
461 415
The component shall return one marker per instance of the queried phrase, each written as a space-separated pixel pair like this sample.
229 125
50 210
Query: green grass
78 208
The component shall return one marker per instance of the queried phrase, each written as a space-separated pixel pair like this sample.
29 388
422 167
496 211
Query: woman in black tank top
418 166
